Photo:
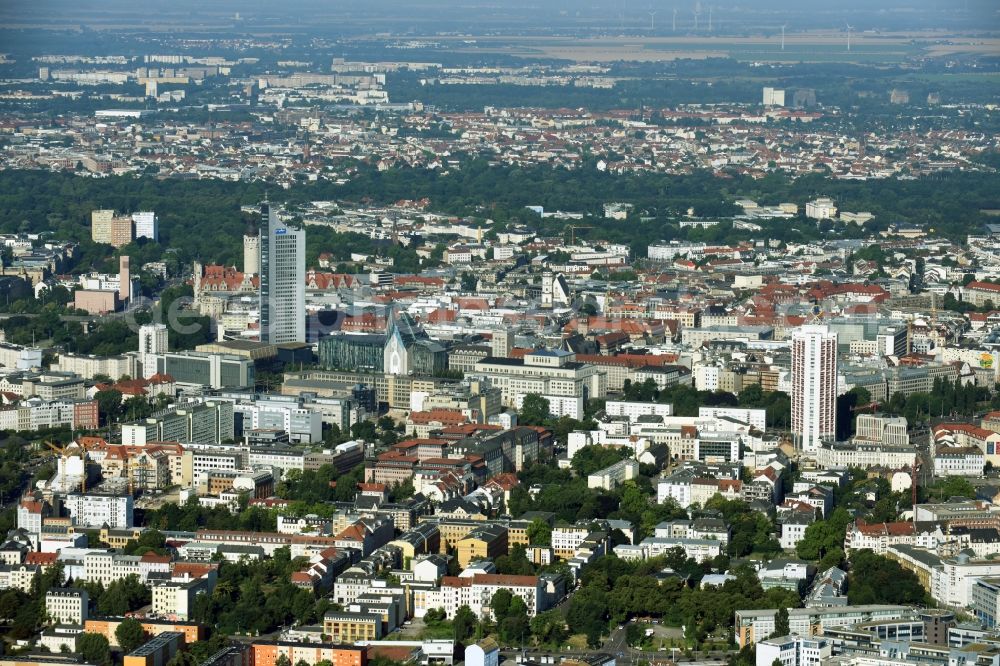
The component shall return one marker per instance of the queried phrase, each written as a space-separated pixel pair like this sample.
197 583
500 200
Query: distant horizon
429 17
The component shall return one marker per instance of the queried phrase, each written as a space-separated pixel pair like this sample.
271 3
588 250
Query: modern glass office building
359 352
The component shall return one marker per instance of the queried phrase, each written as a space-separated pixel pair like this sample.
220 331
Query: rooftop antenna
849 28
783 36
673 25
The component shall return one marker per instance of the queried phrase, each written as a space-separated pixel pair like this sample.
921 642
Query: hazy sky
533 14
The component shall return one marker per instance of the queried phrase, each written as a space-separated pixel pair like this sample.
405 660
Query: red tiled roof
884 529
42 559
442 416
983 286
505 580
967 428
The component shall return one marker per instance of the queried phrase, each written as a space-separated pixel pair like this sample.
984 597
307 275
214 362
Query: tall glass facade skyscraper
282 280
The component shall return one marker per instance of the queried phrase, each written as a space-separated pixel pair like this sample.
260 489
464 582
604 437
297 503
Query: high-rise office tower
814 386
124 279
152 341
100 225
122 231
147 225
282 280
502 343
251 253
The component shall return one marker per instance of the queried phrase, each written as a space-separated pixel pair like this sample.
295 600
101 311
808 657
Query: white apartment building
755 418
18 576
699 550
676 487
94 510
566 539
884 429
822 208
279 459
89 366
67 605
814 386
303 424
477 592
773 97
706 376
669 251
153 340
559 405
793 651
633 410
106 566
952 582
857 454
174 599
753 626
614 475
147 225
30 514
793 530
958 461
549 372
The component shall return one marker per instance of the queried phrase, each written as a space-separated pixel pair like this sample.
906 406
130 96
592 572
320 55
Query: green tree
549 628
874 579
781 624
587 614
130 634
534 410
464 623
500 604
109 404
94 649
539 533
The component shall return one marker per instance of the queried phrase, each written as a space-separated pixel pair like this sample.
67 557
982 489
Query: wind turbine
652 17
673 25
710 18
696 11
849 28
783 36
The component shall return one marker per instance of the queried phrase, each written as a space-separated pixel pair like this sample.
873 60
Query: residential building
147 225
267 653
753 626
814 387
547 372
614 475
793 651
152 342
92 510
100 225
67 605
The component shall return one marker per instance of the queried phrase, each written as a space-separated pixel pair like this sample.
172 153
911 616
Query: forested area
949 202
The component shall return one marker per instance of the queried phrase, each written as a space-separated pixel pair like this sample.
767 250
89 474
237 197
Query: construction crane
572 231
65 452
